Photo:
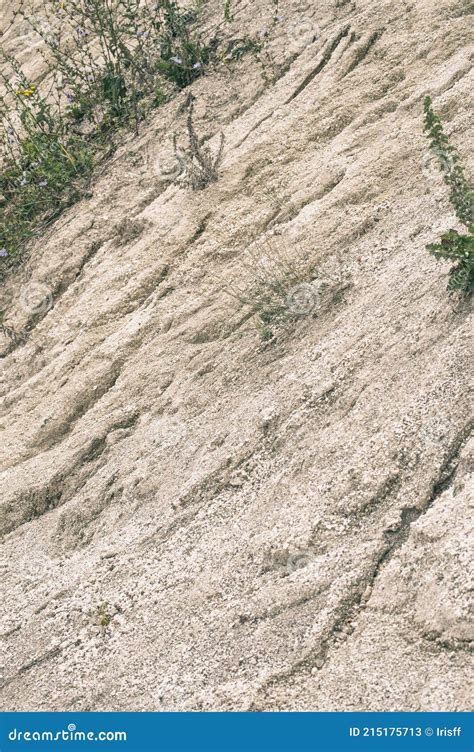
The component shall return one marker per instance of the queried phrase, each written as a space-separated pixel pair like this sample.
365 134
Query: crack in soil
326 56
409 515
351 605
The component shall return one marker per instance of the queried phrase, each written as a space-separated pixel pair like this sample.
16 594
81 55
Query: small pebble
367 593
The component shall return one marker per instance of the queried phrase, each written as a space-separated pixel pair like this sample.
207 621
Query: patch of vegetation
236 49
265 333
115 56
44 164
109 63
228 14
183 55
199 167
279 286
453 246
103 616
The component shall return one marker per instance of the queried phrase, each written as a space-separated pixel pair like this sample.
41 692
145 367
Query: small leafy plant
183 55
103 616
228 14
453 246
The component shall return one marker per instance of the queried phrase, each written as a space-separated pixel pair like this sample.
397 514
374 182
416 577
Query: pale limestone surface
281 525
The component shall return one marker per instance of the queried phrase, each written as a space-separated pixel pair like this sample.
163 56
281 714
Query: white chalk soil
198 515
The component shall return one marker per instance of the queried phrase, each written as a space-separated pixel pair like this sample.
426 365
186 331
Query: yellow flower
26 92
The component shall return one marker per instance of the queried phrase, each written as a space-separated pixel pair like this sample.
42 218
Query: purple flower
43 183
3 252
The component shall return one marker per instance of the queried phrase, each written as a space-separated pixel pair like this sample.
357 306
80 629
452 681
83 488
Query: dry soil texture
195 517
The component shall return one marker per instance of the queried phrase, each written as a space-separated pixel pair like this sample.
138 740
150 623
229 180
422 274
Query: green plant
115 56
183 55
103 616
237 48
453 246
276 285
109 62
44 162
263 329
228 14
